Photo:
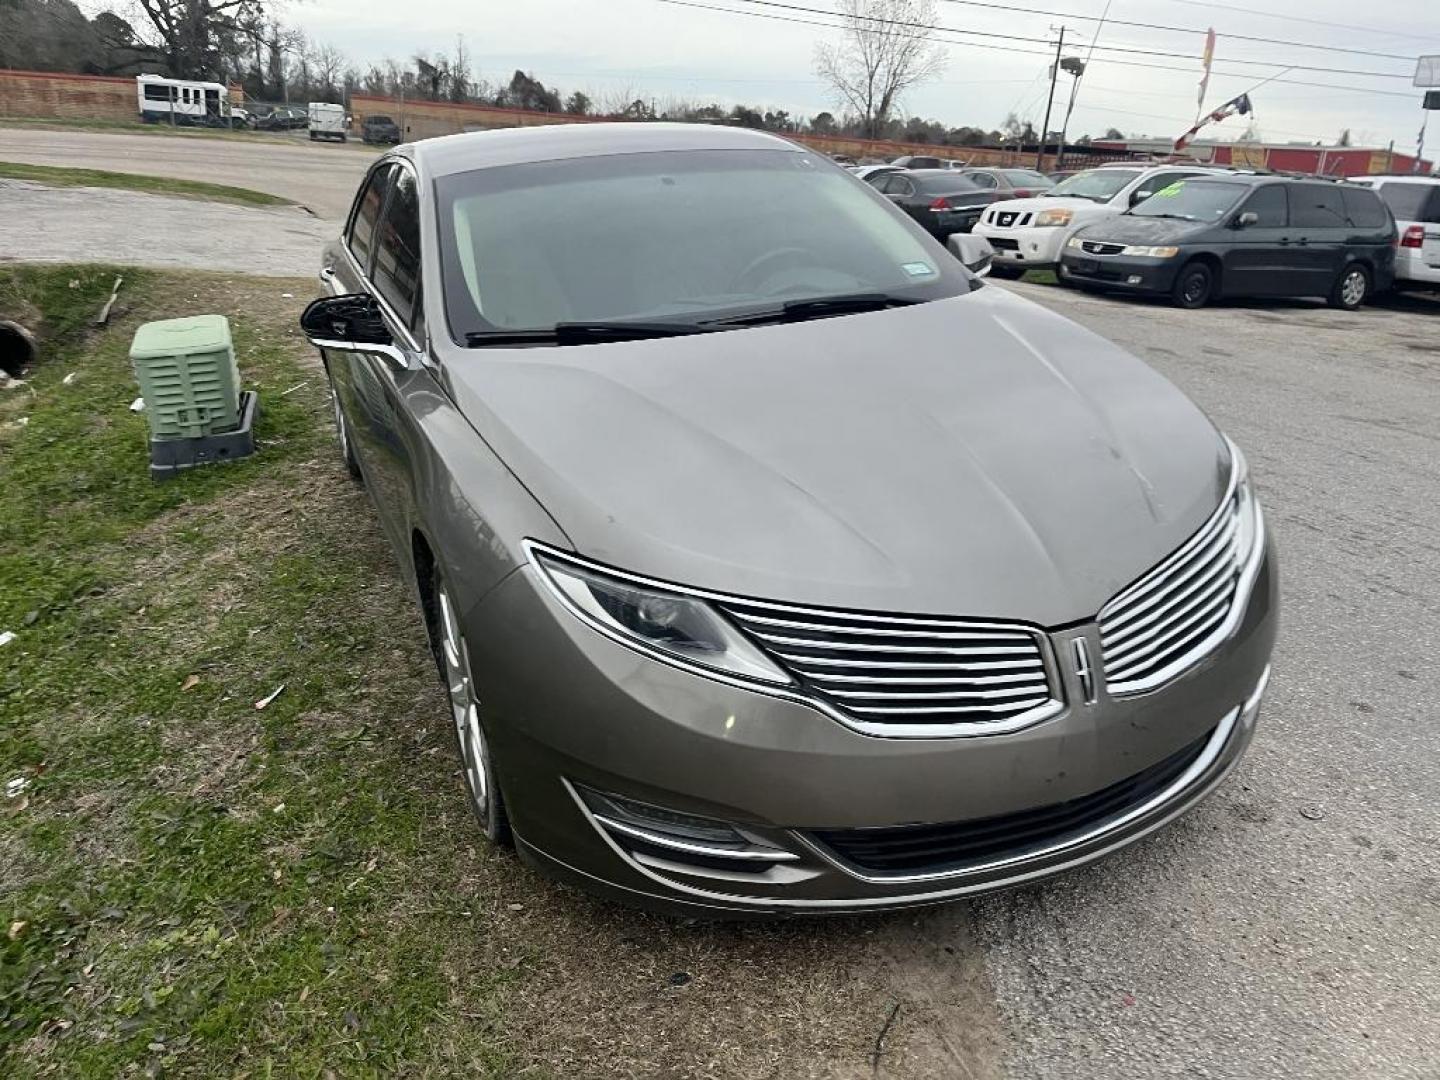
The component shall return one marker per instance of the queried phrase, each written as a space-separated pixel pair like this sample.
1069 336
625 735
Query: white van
1030 234
1415 202
327 121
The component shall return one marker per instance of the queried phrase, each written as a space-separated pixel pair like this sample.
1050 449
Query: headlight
655 620
1074 242
1054 217
1249 524
1152 252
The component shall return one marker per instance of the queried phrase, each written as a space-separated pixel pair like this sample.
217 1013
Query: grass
57 176
197 887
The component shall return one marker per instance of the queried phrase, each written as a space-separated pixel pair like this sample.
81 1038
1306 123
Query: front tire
475 759
1194 286
1351 288
1008 273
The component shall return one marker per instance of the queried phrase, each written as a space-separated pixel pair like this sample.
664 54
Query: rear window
379 120
1363 208
1411 202
1316 206
1026 178
943 185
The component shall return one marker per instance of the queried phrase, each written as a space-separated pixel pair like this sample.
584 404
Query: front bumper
1029 248
1126 272
568 709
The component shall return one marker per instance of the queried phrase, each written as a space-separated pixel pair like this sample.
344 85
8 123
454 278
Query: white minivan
1030 234
327 121
1415 203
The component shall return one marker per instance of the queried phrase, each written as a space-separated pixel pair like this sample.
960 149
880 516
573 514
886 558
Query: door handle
326 273
1285 241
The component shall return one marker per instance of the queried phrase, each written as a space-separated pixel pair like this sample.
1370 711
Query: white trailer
187 102
327 121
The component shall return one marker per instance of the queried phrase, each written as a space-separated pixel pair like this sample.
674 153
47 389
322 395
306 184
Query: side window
900 185
1363 208
1316 206
1269 204
983 179
367 213
397 251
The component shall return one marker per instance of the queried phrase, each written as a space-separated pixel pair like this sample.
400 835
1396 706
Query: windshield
679 235
1193 200
1027 178
1098 185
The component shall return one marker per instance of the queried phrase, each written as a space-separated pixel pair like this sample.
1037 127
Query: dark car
284 118
1012 183
380 129
942 200
1243 235
919 161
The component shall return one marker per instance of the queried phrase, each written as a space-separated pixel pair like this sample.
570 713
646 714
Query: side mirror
1248 218
351 323
1140 196
974 252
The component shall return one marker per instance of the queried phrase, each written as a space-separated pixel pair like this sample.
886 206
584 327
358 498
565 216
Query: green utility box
187 375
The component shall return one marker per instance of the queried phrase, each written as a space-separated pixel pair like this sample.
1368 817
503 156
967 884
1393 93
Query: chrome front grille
908 676
1163 622
1098 247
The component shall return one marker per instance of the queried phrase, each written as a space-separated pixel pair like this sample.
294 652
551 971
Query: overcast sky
661 50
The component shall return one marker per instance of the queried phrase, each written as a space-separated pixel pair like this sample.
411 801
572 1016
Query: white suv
1030 234
1415 202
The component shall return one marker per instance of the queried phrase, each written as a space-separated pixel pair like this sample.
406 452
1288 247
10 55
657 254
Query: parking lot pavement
1291 926
322 176
43 224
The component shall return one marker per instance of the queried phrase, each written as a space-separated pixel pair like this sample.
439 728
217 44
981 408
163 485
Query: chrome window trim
969 729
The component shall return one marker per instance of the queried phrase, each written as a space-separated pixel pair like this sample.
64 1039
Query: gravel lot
45 224
1291 926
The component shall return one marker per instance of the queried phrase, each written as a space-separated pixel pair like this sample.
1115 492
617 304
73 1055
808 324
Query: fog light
1134 279
630 812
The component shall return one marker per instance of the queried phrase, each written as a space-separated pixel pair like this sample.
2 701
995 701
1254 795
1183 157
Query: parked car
327 120
241 117
868 172
1207 237
380 130
1012 183
284 118
942 200
738 608
1030 234
1414 201
919 161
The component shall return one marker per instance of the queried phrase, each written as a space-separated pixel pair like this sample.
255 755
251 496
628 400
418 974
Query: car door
1257 261
1319 229
380 384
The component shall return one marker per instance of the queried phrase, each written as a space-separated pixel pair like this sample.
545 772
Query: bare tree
329 71
460 79
886 47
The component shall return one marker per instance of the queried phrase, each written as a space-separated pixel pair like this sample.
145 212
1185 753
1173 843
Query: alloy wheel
1352 289
465 712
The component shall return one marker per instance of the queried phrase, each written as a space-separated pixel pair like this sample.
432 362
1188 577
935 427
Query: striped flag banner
1240 105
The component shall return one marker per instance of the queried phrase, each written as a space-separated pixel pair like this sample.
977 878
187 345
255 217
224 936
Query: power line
780 4
1009 51
1171 29
1209 5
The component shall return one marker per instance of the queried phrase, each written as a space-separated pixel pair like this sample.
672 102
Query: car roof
1409 178
519 146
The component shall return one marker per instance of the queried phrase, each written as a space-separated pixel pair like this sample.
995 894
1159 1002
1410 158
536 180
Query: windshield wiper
584 333
821 307
1177 217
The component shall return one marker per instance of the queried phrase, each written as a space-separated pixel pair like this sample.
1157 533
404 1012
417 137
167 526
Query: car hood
1082 207
973 456
1138 229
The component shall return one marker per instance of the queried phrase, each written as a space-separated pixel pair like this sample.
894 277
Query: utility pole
1049 103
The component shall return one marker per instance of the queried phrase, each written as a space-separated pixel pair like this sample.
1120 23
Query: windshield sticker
918 269
1171 191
